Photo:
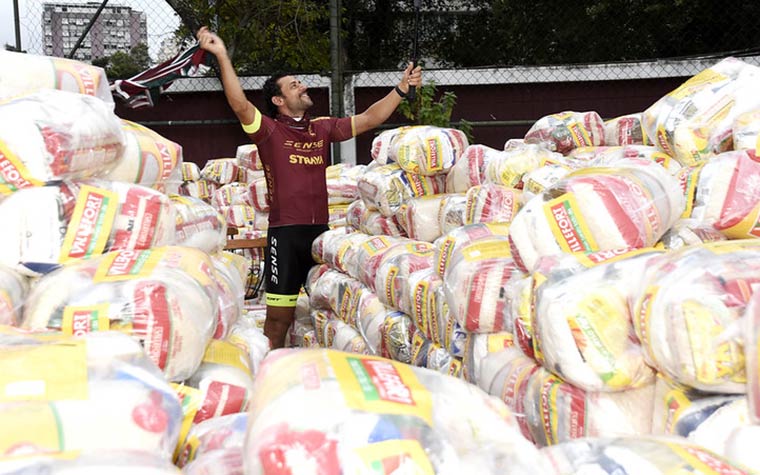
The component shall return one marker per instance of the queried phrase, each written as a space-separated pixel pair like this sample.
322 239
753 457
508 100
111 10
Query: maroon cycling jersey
295 154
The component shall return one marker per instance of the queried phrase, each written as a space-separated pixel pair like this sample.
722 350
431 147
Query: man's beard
306 102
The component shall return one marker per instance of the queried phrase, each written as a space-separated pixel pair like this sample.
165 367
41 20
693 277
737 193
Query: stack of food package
593 275
598 287
121 314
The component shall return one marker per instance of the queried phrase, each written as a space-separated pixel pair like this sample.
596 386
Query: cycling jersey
295 154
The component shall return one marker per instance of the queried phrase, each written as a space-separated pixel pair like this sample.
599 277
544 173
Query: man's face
295 96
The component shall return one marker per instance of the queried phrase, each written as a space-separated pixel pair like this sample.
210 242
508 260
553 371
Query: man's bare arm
233 91
379 112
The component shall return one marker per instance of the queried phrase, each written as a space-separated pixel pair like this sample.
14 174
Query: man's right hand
210 42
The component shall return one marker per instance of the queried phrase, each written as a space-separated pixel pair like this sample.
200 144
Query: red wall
510 102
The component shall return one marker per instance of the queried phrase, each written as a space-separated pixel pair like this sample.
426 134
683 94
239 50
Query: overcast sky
160 17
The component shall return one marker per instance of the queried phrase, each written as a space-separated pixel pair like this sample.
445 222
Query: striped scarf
144 89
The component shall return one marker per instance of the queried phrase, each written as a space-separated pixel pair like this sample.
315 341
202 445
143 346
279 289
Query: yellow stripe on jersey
353 126
254 126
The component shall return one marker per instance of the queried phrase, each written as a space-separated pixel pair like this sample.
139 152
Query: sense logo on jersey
303 146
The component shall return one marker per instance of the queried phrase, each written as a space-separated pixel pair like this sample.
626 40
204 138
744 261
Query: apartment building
118 28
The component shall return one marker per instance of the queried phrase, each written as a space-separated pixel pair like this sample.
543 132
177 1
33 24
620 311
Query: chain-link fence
485 50
497 40
92 30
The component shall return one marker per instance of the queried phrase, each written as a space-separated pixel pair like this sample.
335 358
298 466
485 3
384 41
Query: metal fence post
17 25
336 86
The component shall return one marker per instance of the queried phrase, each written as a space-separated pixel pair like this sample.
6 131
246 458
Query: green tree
380 33
293 35
429 108
262 35
122 65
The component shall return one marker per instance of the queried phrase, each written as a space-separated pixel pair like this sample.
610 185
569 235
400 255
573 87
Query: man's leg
282 284
288 262
277 323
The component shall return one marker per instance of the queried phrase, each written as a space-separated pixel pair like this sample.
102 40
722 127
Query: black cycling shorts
288 261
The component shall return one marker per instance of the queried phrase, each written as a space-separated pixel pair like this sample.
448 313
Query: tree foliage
121 65
293 35
265 35
471 33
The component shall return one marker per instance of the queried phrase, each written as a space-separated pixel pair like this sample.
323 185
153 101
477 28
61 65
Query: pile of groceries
582 300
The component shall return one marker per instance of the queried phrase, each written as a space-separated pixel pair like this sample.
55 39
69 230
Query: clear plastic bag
474 285
218 433
247 156
627 204
582 327
650 455
90 462
25 73
221 170
694 121
148 159
54 224
726 194
455 239
565 131
409 423
751 340
419 217
167 298
427 150
14 288
387 187
491 203
54 135
687 302
199 224
625 130
99 392
392 283
554 410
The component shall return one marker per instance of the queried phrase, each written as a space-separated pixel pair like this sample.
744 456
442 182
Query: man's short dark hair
271 89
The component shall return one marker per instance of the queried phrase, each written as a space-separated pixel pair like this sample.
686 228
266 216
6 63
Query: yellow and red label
568 225
90 226
381 386
700 460
499 341
421 299
79 321
127 265
13 173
